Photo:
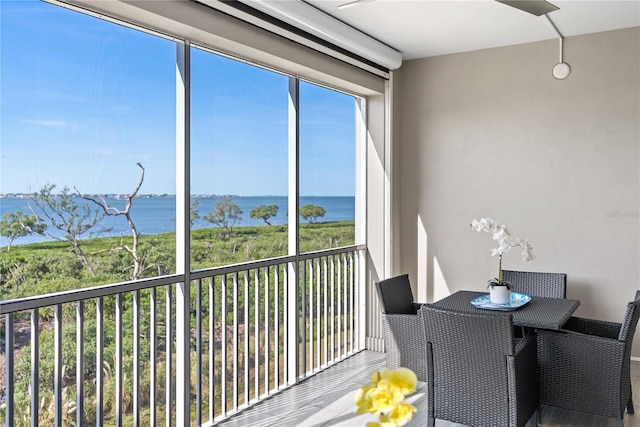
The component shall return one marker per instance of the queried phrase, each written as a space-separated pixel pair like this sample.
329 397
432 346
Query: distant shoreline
119 196
155 214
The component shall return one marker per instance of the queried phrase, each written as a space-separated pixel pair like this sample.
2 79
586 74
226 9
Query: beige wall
492 133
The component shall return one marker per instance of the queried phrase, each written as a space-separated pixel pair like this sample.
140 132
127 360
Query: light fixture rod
561 41
559 36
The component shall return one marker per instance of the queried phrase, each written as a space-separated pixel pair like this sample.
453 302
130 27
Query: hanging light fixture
561 70
538 8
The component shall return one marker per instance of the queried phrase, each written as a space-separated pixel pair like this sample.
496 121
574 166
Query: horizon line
7 195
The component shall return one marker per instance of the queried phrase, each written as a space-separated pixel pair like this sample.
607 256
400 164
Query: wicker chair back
586 366
395 295
403 328
550 285
473 374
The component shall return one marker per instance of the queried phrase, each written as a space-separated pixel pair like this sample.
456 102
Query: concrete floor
327 399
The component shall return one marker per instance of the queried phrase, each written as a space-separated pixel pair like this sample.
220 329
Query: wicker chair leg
630 409
431 422
619 423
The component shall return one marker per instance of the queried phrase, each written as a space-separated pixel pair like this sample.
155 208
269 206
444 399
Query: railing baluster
303 317
153 345
35 367
333 307
339 304
352 302
310 314
57 365
80 363
326 312
345 300
118 361
223 370
362 304
212 350
136 358
347 305
99 362
276 325
347 284
256 337
246 337
9 370
267 353
235 341
285 321
318 339
199 352
168 405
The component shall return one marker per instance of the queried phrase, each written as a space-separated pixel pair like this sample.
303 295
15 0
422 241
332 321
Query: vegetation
63 213
40 268
138 256
193 212
311 213
19 224
226 213
264 212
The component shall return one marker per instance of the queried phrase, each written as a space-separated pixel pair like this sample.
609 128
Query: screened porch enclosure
225 311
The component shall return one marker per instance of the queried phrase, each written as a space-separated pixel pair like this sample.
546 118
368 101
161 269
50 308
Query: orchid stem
500 270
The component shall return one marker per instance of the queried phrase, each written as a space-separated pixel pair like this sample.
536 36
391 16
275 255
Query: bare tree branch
138 260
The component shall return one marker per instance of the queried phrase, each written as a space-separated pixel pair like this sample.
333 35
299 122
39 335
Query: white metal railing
106 355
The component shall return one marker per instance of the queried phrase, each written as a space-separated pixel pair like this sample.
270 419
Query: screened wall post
294 222
183 192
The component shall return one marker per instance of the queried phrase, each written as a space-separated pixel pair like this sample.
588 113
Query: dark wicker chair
550 285
585 366
403 327
478 374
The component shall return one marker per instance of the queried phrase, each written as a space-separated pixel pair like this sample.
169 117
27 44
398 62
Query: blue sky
84 100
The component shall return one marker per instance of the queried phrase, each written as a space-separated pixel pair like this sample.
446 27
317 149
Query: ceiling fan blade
535 7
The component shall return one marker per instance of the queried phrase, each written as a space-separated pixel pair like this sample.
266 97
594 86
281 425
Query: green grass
41 268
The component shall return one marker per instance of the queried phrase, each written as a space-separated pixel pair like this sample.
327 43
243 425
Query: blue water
154 215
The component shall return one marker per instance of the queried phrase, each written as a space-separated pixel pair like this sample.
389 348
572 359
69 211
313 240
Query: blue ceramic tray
517 300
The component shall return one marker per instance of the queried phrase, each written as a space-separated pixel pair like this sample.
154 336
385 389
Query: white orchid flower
487 223
500 234
505 243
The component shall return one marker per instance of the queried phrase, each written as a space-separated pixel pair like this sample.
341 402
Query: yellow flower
385 397
402 414
363 400
378 375
384 422
404 379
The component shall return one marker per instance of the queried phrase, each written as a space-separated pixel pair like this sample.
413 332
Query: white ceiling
423 28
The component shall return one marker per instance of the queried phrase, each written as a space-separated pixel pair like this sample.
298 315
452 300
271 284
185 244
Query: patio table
540 312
